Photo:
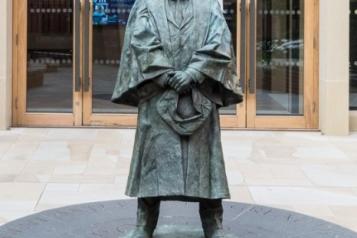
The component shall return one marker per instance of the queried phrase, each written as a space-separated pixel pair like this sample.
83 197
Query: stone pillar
5 63
334 67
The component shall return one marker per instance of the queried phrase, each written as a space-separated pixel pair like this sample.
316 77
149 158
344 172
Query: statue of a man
178 67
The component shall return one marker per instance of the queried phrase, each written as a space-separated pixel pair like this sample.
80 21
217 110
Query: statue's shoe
217 234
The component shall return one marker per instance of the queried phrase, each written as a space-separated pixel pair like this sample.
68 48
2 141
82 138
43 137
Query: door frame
309 120
129 120
20 117
82 116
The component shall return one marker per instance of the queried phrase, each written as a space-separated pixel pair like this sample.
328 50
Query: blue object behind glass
111 12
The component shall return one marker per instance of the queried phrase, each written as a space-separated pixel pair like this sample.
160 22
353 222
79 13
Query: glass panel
49 56
280 56
230 13
109 21
353 56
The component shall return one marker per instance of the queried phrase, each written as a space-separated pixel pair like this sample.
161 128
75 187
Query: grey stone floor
302 172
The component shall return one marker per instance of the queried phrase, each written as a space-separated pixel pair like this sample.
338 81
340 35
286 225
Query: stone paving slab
305 172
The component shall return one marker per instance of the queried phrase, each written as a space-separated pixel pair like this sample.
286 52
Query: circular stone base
176 231
114 219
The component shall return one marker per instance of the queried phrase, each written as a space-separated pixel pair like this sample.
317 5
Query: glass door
280 80
104 28
47 62
67 56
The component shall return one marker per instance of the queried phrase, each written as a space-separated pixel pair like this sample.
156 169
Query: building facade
298 70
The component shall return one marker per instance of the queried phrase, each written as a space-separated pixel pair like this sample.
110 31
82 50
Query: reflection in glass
109 20
49 56
280 55
353 55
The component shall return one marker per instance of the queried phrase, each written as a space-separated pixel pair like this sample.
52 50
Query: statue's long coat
161 165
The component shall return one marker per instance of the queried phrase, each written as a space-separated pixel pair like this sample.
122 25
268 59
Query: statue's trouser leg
211 213
147 217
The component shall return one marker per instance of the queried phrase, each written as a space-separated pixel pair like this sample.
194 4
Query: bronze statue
178 67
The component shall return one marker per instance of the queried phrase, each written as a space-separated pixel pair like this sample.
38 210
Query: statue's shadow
115 219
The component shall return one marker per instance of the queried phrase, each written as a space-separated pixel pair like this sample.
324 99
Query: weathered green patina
178 67
175 155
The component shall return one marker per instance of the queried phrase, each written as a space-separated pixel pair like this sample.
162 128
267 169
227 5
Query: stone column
5 63
334 67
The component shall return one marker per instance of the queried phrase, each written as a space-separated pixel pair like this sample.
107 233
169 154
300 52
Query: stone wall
334 67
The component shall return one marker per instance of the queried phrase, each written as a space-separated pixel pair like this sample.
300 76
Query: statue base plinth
115 219
174 231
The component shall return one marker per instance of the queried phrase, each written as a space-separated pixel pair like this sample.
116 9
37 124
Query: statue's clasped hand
180 81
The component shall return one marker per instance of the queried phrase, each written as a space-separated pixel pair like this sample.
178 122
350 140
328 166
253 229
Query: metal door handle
252 55
86 21
77 57
243 43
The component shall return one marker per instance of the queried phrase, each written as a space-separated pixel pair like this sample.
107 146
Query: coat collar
187 14
201 15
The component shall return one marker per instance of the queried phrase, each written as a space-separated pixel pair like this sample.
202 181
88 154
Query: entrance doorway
67 54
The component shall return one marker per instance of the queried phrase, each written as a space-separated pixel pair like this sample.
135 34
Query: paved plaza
303 172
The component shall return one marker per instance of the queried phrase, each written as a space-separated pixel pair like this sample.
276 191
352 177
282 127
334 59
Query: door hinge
315 43
16 103
314 107
17 39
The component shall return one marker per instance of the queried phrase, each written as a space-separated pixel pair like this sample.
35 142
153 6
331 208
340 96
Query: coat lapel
187 14
201 17
201 14
170 16
157 9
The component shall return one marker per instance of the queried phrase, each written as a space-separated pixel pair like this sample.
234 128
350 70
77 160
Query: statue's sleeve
148 48
143 64
216 61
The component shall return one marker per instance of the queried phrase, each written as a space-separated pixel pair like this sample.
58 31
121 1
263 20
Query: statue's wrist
195 75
